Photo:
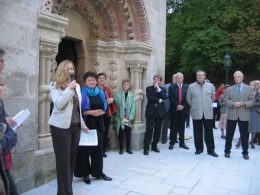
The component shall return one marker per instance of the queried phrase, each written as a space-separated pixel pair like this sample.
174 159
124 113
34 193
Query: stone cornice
118 47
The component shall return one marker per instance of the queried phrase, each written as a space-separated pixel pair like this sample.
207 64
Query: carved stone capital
136 66
48 50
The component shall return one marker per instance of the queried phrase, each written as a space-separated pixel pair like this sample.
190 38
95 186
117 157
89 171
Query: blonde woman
65 123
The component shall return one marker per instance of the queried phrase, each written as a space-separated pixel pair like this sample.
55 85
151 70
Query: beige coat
246 96
200 99
63 106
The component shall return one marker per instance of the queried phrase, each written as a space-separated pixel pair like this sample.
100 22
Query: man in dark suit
154 113
239 99
178 110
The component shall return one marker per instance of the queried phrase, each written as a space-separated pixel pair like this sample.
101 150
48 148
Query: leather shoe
198 152
146 152
86 180
121 151
223 136
176 141
245 156
214 154
170 147
155 149
164 141
184 146
106 178
104 155
227 155
129 151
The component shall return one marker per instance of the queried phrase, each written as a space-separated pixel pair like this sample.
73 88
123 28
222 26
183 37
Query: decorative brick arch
130 23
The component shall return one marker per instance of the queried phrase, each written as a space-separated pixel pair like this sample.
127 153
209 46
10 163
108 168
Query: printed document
89 138
21 117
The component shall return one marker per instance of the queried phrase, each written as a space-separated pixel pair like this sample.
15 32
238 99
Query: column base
137 136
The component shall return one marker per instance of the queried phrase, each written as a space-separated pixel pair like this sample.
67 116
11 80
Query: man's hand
10 121
180 107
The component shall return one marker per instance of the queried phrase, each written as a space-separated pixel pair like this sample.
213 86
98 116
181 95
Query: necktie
238 90
180 95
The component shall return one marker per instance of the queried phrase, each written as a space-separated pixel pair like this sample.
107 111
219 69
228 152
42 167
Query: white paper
89 138
214 105
21 117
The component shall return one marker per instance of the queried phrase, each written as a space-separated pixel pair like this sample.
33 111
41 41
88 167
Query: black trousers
65 144
127 132
90 159
198 126
188 117
244 135
105 133
153 130
12 186
165 125
177 127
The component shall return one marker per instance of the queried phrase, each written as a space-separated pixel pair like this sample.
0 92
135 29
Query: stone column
136 70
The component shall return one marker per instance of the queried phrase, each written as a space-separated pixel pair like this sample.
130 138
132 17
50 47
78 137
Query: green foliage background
200 32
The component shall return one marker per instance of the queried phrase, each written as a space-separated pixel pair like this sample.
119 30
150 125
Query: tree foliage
200 32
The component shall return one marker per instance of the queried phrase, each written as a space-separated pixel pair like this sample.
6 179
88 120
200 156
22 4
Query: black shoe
227 155
184 146
223 136
170 147
176 141
198 152
104 155
215 128
86 180
164 141
106 178
252 145
129 151
146 152
121 151
187 126
245 156
214 154
155 149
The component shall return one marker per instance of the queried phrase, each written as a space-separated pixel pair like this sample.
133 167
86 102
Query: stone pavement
173 172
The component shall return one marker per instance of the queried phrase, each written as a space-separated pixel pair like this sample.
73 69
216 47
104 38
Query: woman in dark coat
93 107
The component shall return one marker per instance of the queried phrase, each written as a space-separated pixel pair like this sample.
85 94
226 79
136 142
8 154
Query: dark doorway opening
67 51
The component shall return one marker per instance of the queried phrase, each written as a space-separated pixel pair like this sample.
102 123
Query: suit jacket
174 98
153 101
63 106
246 96
200 99
256 102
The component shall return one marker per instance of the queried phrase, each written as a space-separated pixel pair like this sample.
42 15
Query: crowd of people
79 109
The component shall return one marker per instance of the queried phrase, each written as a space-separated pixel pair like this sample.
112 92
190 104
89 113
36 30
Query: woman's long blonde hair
60 77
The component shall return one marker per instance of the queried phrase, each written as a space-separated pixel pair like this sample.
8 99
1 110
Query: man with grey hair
200 96
178 110
166 120
239 99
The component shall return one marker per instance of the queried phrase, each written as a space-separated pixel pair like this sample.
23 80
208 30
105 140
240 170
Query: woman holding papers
93 106
125 102
65 123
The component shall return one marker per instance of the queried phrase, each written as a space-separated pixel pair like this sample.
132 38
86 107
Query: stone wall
18 37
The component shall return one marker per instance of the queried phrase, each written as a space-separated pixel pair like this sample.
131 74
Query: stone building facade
124 38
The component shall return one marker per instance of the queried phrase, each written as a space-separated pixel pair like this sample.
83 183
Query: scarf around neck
91 91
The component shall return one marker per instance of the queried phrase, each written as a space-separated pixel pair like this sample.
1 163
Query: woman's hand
72 84
110 100
98 112
85 129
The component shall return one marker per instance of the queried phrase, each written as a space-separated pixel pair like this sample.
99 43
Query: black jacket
153 101
174 98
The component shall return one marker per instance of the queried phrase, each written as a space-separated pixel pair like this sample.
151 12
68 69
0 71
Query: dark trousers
244 135
90 159
12 186
188 117
198 126
105 133
153 130
165 125
127 132
177 127
65 144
